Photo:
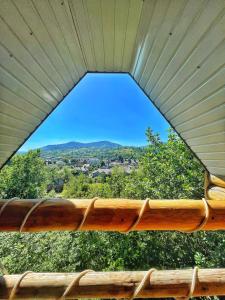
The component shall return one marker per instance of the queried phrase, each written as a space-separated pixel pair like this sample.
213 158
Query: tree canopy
24 177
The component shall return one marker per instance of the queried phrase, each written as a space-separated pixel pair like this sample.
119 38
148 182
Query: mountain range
78 145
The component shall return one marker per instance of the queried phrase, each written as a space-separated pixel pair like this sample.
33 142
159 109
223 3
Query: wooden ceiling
174 50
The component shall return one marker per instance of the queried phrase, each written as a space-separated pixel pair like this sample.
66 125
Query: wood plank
205 60
176 36
81 24
172 13
121 19
218 113
13 109
211 149
208 139
53 60
199 82
157 13
199 27
16 38
205 104
71 39
201 131
131 32
145 19
108 25
94 13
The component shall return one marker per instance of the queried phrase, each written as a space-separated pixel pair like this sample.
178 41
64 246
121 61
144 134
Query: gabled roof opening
173 49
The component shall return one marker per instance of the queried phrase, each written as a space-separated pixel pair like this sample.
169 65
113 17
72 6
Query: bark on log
111 215
170 283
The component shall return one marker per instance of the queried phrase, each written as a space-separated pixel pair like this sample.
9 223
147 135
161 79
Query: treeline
99 153
166 170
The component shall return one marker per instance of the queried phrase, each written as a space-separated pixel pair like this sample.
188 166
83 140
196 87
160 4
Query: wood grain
214 187
111 215
165 283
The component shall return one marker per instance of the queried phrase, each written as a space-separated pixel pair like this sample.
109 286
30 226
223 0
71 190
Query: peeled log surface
218 181
216 192
162 284
214 187
111 215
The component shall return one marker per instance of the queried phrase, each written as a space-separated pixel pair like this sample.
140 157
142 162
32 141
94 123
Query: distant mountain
77 145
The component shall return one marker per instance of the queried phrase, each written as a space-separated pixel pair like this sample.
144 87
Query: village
93 167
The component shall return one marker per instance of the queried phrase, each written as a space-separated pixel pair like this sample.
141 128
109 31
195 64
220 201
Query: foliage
167 170
99 153
24 177
117 181
57 177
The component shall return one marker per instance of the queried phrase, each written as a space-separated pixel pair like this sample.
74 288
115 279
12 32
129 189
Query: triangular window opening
105 139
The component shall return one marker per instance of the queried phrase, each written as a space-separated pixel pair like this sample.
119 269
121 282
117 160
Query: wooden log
162 284
216 193
214 187
111 215
218 181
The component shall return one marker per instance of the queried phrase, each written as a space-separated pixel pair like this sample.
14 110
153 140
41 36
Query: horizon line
85 142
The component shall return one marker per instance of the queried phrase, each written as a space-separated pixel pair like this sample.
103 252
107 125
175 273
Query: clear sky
102 107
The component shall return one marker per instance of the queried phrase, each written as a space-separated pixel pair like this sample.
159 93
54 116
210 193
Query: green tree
166 170
57 177
116 181
77 187
24 177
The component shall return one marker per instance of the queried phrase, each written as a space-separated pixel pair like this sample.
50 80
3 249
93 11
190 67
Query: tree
166 170
77 187
116 181
57 177
24 177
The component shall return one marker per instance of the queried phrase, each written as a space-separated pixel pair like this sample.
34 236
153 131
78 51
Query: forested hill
78 145
97 150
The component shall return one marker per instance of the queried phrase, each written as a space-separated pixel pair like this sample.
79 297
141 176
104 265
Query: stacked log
214 187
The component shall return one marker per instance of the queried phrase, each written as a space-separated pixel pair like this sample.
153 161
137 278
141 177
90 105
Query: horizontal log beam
110 215
160 284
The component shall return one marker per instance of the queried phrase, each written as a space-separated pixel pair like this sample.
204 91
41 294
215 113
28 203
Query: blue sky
101 107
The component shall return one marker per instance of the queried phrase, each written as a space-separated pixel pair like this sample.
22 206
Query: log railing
109 215
121 215
160 284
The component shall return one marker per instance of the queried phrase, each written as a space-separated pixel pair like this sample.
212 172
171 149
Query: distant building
93 161
60 163
98 172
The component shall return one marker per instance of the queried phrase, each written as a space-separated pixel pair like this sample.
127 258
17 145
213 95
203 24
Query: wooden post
162 284
111 215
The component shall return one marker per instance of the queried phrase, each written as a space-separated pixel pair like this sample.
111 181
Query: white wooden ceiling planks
174 49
